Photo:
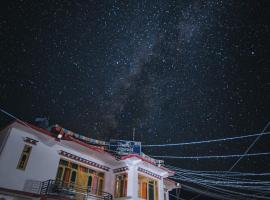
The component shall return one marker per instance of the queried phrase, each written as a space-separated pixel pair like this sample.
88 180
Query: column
161 190
132 189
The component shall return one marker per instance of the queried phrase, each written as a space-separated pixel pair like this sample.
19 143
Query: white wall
109 182
161 190
42 163
3 137
167 196
133 180
132 188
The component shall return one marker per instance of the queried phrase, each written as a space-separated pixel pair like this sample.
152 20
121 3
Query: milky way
174 70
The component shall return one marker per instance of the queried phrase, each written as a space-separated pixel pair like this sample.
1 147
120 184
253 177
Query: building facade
38 164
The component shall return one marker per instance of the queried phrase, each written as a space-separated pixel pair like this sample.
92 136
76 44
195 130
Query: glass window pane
59 173
151 192
24 157
100 186
74 166
100 174
89 183
73 177
63 162
147 188
121 185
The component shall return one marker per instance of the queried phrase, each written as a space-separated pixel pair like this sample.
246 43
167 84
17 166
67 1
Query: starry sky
176 71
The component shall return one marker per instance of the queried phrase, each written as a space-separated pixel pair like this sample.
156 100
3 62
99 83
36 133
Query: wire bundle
224 184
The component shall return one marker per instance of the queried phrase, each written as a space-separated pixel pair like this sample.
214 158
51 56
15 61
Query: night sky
176 71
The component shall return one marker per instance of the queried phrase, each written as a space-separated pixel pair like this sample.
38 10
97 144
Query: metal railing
72 191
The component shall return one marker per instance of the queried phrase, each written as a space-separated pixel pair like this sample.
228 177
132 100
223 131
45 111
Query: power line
250 146
209 157
176 197
14 117
222 181
203 171
216 185
221 190
216 173
212 178
243 155
207 141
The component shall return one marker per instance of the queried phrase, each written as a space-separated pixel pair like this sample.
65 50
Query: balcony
55 188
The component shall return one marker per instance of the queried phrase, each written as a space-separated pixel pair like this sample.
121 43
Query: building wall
109 182
132 189
42 163
167 195
133 174
3 137
161 190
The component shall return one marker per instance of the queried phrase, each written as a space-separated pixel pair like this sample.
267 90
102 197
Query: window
64 171
151 195
100 186
63 162
120 185
89 182
24 157
100 177
59 173
73 177
101 174
74 166
73 174
148 188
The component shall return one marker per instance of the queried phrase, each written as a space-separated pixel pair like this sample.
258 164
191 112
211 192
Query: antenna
133 134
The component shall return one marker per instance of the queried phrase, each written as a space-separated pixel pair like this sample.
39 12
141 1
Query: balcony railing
72 191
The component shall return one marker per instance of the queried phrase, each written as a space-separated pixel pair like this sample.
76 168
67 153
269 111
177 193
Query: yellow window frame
24 157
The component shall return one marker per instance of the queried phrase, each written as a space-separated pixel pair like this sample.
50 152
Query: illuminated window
120 185
24 157
72 174
148 188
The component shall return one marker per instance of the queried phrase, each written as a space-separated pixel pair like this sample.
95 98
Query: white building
37 164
